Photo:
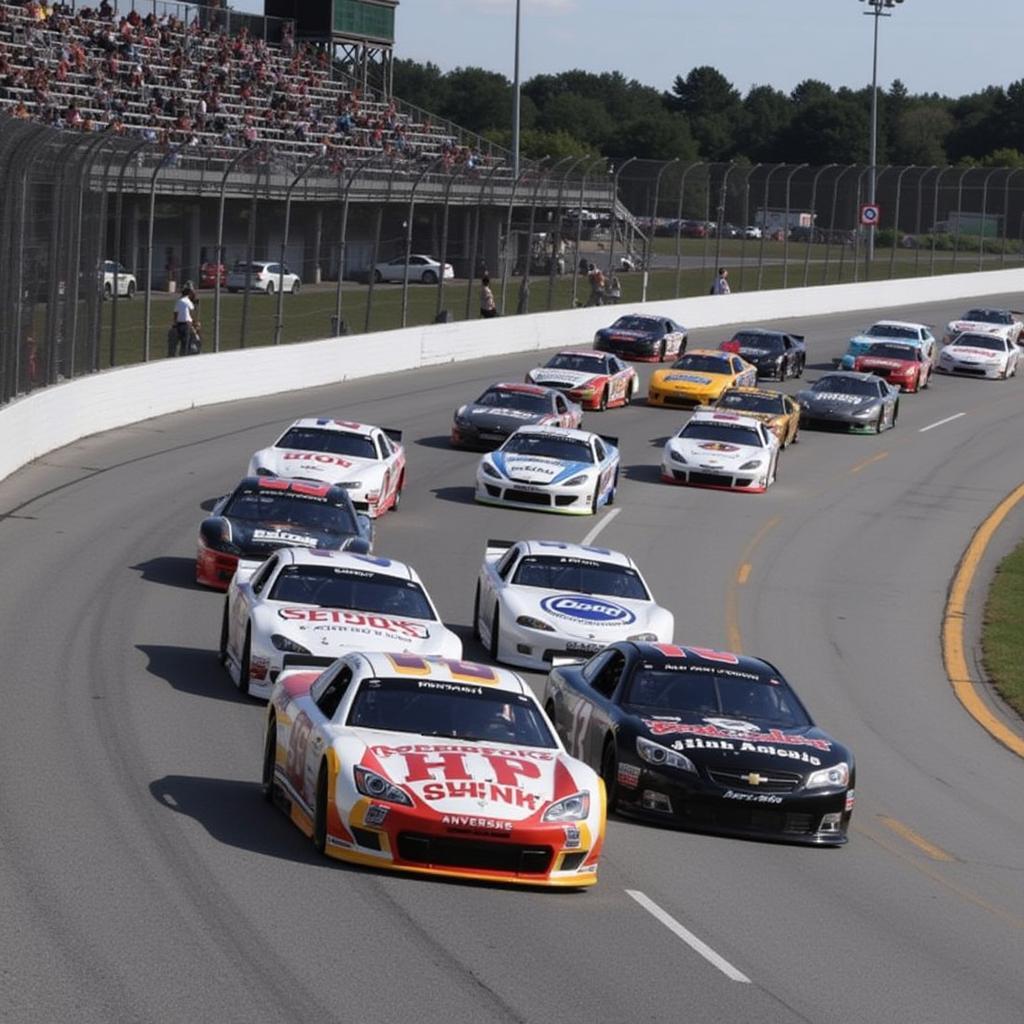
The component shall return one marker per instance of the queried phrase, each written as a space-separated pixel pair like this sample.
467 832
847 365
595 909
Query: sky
944 46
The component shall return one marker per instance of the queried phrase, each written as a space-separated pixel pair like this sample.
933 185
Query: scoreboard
371 21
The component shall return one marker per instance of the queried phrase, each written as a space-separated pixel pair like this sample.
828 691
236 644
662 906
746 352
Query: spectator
614 291
721 283
488 309
596 278
185 323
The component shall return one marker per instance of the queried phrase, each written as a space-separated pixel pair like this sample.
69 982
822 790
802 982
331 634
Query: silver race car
537 600
850 401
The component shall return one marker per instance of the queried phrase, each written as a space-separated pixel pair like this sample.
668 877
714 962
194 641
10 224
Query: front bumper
696 476
476 439
988 371
644 351
832 421
575 501
215 568
692 802
681 399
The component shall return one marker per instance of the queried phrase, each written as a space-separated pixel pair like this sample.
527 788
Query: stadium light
515 95
879 9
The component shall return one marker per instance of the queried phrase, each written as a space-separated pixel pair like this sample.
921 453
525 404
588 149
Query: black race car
503 408
264 513
704 740
641 337
850 401
774 353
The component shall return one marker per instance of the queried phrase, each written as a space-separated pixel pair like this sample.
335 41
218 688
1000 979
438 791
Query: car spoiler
495 548
608 439
392 434
561 660
798 337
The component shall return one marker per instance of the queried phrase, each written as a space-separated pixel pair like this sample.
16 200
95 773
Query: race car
594 379
305 608
699 378
369 462
889 330
537 600
778 412
906 366
980 355
775 353
504 408
551 469
642 337
986 321
851 401
704 740
433 766
722 450
265 513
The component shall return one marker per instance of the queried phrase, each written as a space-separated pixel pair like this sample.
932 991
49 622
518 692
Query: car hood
715 453
590 616
323 466
258 539
753 353
971 353
558 378
977 327
835 401
867 363
505 420
473 778
529 469
684 380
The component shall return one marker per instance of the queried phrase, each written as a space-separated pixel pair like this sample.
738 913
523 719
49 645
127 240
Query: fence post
786 230
474 242
984 215
342 239
444 237
959 210
935 218
896 219
556 231
508 235
679 224
720 214
579 221
1006 215
523 305
650 237
856 220
613 220
832 224
917 219
375 251
149 250
764 224
263 163
118 208
746 222
219 251
814 219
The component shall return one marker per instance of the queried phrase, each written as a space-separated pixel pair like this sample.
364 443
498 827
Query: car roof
582 352
570 550
333 492
563 433
466 673
852 374
725 419
757 330
642 316
899 323
339 426
760 392
717 353
349 560
699 656
525 389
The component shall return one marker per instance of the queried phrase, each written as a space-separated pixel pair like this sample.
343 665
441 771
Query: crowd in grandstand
195 85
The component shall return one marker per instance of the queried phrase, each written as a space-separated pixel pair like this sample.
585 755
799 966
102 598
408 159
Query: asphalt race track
143 879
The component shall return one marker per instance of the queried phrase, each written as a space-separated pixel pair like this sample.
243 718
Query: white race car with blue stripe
553 469
538 600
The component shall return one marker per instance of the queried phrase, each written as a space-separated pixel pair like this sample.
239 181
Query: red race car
596 380
905 366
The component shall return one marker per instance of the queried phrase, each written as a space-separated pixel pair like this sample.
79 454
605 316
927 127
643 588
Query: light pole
515 95
879 9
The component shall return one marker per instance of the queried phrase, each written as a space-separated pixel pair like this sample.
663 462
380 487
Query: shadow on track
643 473
170 570
435 441
460 495
192 670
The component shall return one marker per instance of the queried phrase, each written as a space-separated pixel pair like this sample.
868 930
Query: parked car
209 272
752 231
263 276
421 268
125 282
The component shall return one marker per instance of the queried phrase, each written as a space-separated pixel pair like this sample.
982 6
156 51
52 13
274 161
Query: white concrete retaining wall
56 416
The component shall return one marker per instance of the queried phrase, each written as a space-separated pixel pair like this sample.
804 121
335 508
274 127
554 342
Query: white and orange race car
369 462
596 380
435 766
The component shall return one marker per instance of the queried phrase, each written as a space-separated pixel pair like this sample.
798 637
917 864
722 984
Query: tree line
704 117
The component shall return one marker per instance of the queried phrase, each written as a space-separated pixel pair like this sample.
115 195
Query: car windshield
549 446
746 402
892 331
329 586
462 711
525 401
720 432
993 342
988 316
763 342
576 361
703 364
887 350
634 323
703 691
241 268
845 386
580 576
336 442
293 508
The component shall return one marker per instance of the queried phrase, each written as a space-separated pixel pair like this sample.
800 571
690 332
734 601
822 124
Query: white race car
306 608
716 449
537 600
551 468
981 320
980 355
431 765
369 462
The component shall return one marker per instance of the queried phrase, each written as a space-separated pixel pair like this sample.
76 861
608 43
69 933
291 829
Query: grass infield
1002 640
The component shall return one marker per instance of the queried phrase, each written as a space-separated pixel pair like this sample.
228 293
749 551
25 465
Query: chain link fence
99 234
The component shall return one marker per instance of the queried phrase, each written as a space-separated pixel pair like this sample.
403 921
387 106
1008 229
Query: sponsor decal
490 410
470 821
746 350
301 540
404 749
357 620
628 776
839 397
686 378
746 732
746 747
752 798
324 458
572 837
718 446
375 814
582 608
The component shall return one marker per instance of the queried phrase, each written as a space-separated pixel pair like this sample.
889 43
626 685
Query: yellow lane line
733 639
877 457
953 646
906 832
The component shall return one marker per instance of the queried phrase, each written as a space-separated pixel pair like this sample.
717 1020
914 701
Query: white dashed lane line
948 419
611 514
688 937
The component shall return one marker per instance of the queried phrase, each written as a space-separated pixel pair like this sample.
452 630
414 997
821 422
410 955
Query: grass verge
1002 640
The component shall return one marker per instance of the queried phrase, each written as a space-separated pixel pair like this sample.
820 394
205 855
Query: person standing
184 319
721 285
488 309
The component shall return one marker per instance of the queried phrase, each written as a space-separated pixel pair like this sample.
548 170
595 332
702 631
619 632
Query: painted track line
953 645
915 839
611 514
688 937
939 423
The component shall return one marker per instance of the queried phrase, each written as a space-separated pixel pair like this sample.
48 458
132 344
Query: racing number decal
298 741
576 740
464 671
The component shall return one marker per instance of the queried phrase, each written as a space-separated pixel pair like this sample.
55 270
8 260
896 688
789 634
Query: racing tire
429 277
610 774
596 499
243 666
270 289
614 491
495 627
296 287
378 277
222 647
880 422
603 404
320 811
775 471
895 415
476 612
130 291
926 382
783 371
269 761
799 370
398 494
796 435
661 352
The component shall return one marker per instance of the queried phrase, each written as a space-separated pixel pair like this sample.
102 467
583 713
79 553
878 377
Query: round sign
587 609
870 214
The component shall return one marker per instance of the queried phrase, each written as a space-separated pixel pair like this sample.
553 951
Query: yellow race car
699 378
778 412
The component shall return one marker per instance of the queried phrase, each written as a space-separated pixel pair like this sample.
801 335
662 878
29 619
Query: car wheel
296 286
378 277
495 624
610 775
603 404
661 353
895 414
398 493
222 647
799 369
476 613
595 498
269 761
796 434
614 491
320 810
783 368
926 381
429 277
130 290
243 668
270 288
775 470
